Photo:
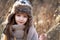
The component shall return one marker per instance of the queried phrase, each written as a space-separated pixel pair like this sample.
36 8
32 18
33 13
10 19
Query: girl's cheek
16 18
26 19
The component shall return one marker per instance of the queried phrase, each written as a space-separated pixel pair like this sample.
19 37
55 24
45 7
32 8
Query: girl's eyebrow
22 14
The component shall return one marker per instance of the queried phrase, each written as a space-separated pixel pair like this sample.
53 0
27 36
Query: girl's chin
20 24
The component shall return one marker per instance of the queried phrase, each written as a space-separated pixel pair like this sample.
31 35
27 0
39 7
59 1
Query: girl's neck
19 27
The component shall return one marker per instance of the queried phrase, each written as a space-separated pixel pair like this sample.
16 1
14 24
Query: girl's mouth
20 22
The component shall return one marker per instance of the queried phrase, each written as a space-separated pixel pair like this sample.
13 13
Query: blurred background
46 14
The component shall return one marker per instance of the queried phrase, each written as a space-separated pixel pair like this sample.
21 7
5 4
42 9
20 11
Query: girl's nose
21 18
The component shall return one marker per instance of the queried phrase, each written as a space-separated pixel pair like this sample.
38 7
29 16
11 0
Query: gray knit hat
24 6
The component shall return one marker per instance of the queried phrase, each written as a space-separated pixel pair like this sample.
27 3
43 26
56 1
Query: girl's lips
20 22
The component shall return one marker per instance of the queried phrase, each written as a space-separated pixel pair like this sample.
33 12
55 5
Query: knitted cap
24 6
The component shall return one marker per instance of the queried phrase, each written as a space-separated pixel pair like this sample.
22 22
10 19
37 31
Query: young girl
20 23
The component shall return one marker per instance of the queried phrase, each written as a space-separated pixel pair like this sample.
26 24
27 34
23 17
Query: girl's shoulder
32 34
32 29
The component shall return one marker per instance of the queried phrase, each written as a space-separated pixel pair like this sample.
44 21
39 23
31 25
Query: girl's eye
25 16
18 15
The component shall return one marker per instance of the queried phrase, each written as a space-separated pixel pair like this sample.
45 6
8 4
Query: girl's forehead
21 13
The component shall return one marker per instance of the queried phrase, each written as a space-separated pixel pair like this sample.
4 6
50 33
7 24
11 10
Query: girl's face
21 18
